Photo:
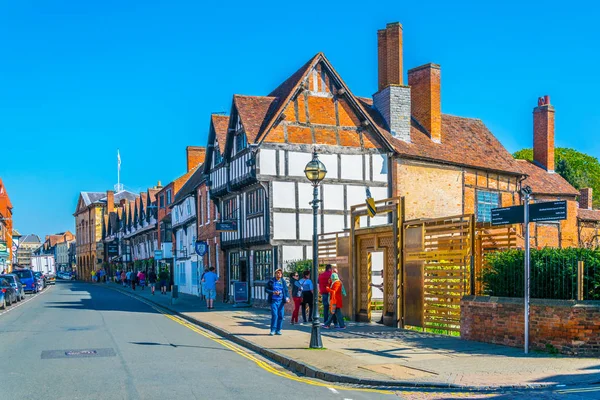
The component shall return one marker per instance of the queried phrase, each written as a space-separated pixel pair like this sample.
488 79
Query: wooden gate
437 271
365 239
487 240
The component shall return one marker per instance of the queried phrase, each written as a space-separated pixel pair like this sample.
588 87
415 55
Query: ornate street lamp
315 172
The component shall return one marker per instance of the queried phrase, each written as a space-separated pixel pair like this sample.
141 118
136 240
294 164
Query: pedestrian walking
142 279
163 275
128 276
277 296
336 302
307 296
152 280
209 282
296 290
93 275
202 289
324 281
123 278
133 279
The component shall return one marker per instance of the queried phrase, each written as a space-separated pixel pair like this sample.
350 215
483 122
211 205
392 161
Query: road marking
580 390
31 297
238 350
333 390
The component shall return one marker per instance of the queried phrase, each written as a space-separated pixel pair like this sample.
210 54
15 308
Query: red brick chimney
110 201
585 198
543 134
425 97
389 55
195 156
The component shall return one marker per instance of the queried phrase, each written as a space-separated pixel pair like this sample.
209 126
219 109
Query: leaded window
486 200
234 266
263 265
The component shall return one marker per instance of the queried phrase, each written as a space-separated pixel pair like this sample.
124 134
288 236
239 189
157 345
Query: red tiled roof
588 215
254 112
221 123
543 182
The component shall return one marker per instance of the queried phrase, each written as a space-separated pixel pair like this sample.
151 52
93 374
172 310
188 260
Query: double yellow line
262 364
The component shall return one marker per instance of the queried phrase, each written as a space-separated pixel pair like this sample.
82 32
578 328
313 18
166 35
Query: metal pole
315 334
527 250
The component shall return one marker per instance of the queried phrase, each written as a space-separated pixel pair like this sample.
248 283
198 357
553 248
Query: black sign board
227 226
508 215
240 292
113 249
538 212
548 211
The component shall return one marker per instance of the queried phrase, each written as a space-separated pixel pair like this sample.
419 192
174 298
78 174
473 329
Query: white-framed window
181 274
207 208
485 201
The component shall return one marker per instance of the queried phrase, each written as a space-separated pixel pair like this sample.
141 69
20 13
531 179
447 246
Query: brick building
6 229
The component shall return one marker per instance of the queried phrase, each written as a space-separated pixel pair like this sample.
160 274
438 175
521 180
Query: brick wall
571 327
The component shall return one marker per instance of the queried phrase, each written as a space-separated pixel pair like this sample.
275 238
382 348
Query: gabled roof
544 182
191 185
216 133
588 215
253 112
92 197
32 238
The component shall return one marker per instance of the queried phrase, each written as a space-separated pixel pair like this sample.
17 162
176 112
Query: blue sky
79 79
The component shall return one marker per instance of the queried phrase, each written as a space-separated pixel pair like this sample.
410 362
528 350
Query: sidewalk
378 355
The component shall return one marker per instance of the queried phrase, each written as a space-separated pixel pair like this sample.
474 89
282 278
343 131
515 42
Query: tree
579 169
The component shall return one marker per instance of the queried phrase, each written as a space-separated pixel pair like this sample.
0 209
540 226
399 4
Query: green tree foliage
579 169
553 273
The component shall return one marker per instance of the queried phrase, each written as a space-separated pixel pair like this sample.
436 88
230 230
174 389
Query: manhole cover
78 353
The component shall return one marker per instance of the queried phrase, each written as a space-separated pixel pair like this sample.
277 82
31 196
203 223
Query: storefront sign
334 260
3 249
240 290
201 247
158 255
113 249
227 226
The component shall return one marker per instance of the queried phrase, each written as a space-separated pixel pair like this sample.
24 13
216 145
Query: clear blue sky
79 79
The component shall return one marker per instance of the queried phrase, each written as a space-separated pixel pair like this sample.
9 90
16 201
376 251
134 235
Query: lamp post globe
315 172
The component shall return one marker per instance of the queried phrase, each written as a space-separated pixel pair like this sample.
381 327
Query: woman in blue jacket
278 296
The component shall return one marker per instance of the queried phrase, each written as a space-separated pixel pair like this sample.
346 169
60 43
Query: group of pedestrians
332 293
99 275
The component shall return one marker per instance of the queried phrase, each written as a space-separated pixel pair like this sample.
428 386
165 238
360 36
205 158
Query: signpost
227 226
536 212
158 255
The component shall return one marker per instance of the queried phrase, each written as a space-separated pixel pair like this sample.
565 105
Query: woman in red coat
335 302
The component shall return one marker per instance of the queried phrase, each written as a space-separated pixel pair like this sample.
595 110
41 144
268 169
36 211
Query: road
82 341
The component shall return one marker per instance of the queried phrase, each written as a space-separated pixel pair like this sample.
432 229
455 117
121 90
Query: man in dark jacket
278 296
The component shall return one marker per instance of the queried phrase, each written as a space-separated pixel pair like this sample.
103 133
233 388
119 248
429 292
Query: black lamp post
315 172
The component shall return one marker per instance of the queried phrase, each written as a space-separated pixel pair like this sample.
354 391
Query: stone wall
570 327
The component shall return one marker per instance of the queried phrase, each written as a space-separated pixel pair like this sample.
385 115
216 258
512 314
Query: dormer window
240 141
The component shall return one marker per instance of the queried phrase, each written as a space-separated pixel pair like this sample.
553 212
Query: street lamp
315 172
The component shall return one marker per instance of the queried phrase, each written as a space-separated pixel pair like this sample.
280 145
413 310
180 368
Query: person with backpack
336 293
296 290
307 296
277 297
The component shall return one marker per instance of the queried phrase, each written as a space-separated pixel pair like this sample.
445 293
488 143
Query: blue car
27 279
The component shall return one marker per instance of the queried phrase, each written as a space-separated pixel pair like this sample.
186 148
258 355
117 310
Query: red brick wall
389 55
208 232
571 327
585 198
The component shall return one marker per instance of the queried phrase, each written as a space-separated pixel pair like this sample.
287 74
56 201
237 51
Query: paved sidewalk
377 354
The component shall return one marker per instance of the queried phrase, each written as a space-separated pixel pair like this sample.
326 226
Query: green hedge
553 273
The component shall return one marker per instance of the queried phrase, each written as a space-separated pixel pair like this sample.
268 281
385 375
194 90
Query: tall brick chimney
425 96
195 156
389 55
110 201
543 134
392 99
585 198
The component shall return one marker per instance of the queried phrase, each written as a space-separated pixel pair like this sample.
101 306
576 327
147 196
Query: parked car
50 279
15 282
41 280
65 275
27 279
10 294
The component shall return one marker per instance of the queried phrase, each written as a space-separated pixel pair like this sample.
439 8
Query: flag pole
118 171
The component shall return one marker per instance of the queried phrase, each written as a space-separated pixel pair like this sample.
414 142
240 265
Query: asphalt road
82 341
